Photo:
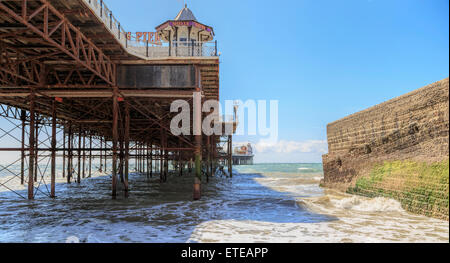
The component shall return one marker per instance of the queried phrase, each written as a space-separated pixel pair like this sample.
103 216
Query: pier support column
90 155
138 157
69 154
115 137
180 165
53 165
197 112
151 159
121 158
208 158
198 167
135 156
147 158
22 152
161 158
101 155
230 155
190 166
106 156
84 155
79 155
139 163
64 153
141 158
180 158
166 162
36 150
31 146
127 146
213 156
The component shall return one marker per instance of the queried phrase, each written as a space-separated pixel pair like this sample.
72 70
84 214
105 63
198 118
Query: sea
274 203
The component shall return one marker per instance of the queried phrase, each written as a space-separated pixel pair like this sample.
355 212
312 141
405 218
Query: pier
243 155
80 89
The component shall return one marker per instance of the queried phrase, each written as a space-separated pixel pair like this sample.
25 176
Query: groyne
397 149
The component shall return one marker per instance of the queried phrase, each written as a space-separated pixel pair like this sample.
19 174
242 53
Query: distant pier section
243 155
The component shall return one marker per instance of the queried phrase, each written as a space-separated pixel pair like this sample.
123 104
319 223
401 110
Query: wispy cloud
310 146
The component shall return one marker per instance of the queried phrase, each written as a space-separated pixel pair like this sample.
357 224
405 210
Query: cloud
310 146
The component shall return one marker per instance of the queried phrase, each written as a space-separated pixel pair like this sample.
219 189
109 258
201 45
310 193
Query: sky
321 59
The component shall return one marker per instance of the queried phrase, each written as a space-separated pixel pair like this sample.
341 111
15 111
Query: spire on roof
185 15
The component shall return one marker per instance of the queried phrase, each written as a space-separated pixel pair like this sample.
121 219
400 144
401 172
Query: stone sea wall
397 149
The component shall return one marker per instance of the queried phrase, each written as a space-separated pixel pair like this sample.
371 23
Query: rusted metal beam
106 93
29 72
72 42
140 108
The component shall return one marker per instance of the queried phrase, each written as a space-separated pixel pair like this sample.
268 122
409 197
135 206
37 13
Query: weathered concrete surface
412 127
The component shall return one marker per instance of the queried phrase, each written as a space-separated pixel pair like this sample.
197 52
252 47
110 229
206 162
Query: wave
331 203
362 204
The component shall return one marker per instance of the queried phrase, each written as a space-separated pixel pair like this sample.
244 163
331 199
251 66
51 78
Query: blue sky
322 59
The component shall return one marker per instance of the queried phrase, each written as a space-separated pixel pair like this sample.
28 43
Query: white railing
177 49
144 49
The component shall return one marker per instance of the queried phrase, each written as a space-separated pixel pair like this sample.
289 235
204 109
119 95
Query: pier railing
144 49
177 49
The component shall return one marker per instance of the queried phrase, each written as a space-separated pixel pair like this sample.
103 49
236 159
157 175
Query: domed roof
185 18
185 15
